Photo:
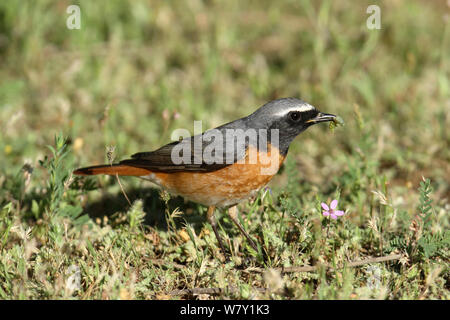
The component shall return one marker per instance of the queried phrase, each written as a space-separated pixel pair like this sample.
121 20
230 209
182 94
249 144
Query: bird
224 166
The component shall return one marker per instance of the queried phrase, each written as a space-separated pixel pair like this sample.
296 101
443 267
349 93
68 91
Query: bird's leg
212 221
234 216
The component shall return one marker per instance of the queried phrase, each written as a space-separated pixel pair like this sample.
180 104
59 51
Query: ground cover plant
135 71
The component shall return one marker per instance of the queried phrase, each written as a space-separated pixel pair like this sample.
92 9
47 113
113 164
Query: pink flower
329 211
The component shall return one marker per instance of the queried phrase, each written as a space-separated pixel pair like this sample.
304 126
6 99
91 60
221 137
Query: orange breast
226 186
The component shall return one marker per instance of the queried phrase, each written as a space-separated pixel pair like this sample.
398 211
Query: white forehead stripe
299 108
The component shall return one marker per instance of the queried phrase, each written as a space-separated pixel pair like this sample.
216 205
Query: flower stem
328 226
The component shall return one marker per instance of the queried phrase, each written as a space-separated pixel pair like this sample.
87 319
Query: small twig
211 291
110 155
121 188
166 264
314 268
375 260
352 264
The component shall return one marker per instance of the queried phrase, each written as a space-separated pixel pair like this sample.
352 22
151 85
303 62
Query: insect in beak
322 117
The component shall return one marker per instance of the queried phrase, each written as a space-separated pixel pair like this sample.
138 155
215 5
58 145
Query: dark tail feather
119 169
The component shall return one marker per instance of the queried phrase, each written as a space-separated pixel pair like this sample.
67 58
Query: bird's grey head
290 116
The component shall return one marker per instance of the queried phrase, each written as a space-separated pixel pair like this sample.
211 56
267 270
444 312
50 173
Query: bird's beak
322 117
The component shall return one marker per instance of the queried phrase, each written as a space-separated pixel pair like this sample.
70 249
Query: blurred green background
137 70
120 79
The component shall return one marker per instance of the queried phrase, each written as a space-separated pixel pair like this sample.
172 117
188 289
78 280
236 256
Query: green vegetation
137 70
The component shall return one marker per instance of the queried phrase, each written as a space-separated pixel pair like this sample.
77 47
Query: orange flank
223 187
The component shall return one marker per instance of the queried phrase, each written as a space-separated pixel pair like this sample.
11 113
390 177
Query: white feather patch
300 108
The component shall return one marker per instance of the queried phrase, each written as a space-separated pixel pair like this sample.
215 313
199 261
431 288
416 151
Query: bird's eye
295 116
